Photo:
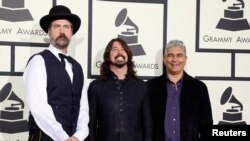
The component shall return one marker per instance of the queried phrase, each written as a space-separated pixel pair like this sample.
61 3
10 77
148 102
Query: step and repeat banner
215 32
226 32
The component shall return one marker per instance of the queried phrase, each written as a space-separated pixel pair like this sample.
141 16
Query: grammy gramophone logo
11 116
14 11
130 36
233 19
232 116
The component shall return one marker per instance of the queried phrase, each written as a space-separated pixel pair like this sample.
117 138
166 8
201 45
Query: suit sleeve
92 113
205 114
147 120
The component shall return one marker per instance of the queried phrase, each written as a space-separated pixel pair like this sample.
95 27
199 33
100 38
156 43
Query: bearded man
118 101
54 84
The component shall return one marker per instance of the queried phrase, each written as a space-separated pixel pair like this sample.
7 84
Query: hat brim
74 19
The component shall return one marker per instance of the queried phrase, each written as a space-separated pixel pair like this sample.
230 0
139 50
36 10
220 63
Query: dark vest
63 96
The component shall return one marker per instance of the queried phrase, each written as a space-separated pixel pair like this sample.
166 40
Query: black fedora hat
60 12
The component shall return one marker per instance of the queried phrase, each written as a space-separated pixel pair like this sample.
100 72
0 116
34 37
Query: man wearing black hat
54 84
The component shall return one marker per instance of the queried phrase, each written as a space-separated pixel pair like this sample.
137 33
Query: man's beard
61 41
118 63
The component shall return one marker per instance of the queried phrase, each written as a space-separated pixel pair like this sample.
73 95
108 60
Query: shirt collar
55 51
114 77
179 81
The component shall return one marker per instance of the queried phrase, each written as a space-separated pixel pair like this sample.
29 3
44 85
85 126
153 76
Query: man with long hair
119 108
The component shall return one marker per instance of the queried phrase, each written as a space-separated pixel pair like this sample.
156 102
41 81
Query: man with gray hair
180 104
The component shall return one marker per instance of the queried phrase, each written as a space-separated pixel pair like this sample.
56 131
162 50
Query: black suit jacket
119 111
195 108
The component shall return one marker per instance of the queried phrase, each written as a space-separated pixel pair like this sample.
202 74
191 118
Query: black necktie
62 56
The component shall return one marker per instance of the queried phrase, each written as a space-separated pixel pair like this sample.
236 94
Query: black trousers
38 135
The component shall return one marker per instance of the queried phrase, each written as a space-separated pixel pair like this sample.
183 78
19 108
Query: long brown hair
105 66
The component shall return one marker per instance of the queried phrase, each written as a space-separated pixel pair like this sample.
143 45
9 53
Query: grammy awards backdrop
215 32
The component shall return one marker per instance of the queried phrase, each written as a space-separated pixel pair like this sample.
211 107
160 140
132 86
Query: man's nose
62 30
119 51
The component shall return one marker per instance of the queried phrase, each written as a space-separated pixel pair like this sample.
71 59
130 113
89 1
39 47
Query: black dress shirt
119 110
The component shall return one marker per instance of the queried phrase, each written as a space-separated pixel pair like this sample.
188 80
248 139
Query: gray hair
175 43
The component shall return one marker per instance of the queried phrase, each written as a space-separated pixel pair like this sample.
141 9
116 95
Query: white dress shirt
35 82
